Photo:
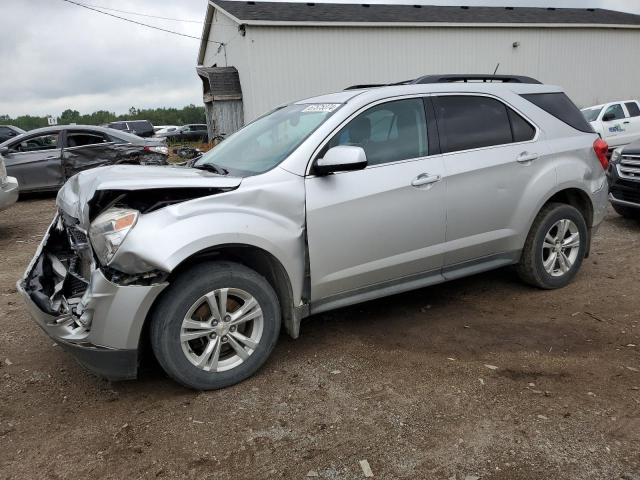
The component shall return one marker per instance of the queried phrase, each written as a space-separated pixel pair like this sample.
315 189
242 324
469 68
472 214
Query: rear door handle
626 123
526 157
425 179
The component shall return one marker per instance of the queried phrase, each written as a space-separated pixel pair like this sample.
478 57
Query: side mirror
608 117
4 150
344 158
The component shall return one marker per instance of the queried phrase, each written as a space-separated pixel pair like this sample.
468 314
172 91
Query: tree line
157 116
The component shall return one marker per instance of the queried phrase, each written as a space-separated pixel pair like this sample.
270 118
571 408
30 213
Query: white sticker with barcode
322 107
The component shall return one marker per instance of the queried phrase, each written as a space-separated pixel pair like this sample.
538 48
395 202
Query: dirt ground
482 377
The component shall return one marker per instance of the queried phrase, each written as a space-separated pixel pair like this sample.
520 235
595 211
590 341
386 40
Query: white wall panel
281 64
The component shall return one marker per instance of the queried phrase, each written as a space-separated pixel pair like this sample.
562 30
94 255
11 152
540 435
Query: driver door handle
526 157
425 179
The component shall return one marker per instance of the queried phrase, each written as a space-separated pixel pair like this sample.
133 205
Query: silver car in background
320 204
8 187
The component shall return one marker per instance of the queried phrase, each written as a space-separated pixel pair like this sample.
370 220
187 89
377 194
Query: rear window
561 107
634 110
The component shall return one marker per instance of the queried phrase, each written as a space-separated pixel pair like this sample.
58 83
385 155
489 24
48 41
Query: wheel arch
577 198
255 258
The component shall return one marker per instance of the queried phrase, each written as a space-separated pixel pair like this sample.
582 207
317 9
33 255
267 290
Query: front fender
267 212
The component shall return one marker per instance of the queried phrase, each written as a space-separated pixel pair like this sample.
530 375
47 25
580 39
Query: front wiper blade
210 167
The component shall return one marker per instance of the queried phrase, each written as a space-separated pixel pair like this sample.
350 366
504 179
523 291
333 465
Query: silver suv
320 204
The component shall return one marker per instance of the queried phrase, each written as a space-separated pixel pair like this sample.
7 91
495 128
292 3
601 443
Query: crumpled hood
75 195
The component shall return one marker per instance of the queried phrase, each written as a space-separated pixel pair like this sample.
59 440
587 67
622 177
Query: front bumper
623 191
101 326
8 193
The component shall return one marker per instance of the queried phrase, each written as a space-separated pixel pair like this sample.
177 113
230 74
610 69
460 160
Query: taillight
602 149
162 149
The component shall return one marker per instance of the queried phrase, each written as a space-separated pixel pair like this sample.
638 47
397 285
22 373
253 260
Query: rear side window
561 107
634 109
522 130
467 122
81 139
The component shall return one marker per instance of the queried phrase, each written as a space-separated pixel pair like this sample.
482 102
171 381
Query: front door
386 222
36 162
615 128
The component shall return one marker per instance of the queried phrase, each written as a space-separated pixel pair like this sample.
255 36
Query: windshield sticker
322 107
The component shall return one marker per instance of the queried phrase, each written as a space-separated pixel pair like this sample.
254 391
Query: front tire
215 325
555 247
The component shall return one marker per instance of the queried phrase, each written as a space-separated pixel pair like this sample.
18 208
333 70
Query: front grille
629 167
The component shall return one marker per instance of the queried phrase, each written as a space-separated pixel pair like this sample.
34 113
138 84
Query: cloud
57 56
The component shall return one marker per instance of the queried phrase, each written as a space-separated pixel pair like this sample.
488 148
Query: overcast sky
55 55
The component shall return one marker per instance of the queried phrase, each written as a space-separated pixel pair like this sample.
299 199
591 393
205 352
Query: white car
618 123
8 187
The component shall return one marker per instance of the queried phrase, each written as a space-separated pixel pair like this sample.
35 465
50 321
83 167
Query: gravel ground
481 377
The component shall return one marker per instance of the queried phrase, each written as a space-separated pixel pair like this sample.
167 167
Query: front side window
468 122
269 140
389 132
614 112
36 144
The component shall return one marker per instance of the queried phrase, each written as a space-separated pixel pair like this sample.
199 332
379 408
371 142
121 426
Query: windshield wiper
210 167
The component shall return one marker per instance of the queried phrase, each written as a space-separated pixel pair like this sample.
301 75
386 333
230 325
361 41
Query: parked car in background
164 128
195 132
8 187
167 129
9 131
624 180
141 128
618 123
43 159
320 204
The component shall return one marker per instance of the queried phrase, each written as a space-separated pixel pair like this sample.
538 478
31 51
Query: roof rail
473 78
361 87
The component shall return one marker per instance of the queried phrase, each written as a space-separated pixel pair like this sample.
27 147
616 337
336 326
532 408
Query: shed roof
259 12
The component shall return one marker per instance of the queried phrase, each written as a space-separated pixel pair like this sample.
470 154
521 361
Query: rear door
633 121
36 162
490 156
386 222
85 149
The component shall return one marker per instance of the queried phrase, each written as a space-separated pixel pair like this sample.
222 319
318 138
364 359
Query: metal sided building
255 56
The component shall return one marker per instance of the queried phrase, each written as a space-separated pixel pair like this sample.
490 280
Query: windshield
591 114
266 142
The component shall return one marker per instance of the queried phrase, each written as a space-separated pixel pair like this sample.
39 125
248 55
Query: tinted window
467 122
522 130
561 107
634 109
118 126
388 132
80 139
614 112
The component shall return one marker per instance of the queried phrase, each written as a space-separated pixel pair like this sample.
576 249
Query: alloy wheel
222 329
561 247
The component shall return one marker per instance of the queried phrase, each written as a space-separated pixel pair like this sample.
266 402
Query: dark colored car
9 131
141 128
624 180
194 132
43 159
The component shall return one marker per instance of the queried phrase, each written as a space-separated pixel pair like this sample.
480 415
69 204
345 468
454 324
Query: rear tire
627 212
215 325
555 247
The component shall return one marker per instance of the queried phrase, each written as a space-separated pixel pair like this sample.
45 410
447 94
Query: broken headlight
108 231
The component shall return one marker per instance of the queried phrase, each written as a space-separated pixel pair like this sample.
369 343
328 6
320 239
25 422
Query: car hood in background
75 195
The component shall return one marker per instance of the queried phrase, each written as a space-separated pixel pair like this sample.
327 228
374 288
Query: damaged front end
97 314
